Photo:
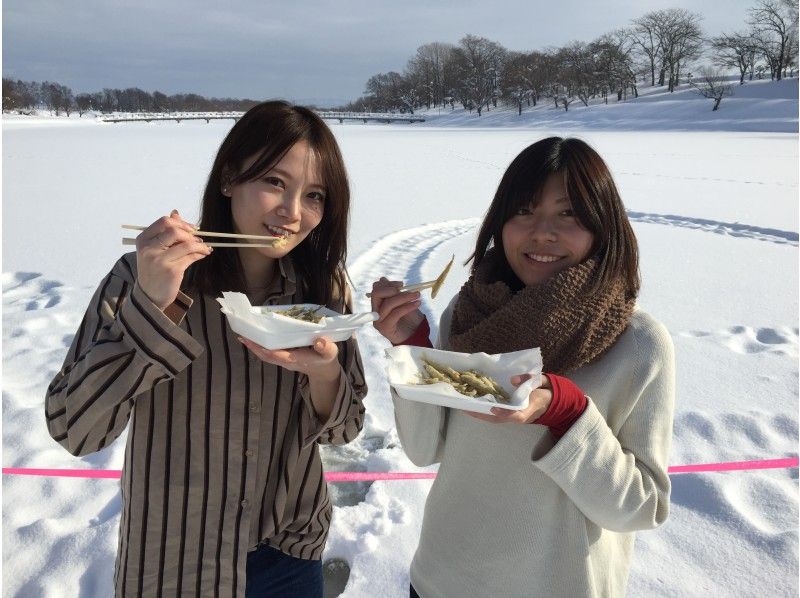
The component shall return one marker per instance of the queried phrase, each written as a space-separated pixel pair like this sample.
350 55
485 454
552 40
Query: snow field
716 215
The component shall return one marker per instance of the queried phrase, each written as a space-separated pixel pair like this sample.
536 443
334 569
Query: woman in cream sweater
543 501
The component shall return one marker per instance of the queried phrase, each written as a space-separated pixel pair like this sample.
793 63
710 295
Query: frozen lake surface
716 214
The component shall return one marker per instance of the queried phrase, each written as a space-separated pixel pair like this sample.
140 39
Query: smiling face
288 201
543 239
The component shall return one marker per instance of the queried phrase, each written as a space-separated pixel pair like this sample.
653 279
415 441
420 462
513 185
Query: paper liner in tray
405 364
274 331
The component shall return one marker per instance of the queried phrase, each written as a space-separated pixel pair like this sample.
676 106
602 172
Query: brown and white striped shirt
222 448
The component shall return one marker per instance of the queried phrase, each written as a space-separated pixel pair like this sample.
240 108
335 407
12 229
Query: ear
225 183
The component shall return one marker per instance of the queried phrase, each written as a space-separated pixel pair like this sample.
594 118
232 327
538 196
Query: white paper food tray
274 331
405 363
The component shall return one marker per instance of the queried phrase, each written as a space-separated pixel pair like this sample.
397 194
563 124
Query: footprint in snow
28 291
397 511
368 542
748 340
111 510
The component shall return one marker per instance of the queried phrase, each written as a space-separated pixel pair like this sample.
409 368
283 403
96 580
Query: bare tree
681 41
565 100
109 101
712 84
390 92
12 99
96 100
645 36
408 93
160 102
67 100
579 72
549 67
378 93
522 79
479 65
83 101
613 63
770 50
53 96
428 68
668 40
735 50
771 19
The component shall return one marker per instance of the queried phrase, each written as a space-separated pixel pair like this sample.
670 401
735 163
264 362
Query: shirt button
248 453
245 503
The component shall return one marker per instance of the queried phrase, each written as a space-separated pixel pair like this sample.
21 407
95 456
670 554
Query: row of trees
29 95
658 48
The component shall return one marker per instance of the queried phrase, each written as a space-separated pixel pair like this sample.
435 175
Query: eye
568 213
274 181
316 196
524 211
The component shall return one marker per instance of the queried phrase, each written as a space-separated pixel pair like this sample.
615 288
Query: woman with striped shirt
222 487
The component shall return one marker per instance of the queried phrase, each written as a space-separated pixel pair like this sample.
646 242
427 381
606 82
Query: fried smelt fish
306 314
470 382
440 280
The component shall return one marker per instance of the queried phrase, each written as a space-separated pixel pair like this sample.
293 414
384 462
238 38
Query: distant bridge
209 116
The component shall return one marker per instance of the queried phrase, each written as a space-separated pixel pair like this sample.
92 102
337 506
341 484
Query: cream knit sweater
513 514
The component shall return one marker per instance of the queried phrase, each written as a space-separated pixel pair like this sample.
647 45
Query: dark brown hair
268 131
595 201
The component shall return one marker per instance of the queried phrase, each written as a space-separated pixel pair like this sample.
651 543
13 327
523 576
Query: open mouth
278 231
543 259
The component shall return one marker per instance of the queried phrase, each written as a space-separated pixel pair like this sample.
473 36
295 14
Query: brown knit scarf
571 328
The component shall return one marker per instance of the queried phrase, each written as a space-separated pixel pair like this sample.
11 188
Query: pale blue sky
296 49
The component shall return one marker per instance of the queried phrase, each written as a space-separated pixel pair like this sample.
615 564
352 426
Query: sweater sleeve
422 427
620 481
124 347
347 416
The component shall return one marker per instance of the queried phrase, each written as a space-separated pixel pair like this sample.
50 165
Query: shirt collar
285 283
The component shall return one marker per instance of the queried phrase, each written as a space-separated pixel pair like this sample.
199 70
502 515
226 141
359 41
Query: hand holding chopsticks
164 250
269 241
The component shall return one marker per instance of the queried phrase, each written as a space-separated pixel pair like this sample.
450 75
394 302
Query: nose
290 206
543 229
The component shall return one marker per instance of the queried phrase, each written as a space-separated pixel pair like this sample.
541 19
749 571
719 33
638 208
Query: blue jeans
273 574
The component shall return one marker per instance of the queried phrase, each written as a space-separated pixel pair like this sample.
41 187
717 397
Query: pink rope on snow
371 476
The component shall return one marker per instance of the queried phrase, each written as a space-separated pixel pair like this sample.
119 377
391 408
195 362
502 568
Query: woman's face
288 201
539 242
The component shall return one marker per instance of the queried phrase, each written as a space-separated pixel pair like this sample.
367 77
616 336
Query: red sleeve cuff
566 407
420 337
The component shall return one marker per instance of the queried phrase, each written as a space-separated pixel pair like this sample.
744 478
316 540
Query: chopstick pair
434 285
200 233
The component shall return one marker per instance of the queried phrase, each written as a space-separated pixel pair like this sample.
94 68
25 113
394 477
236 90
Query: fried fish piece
437 284
470 382
306 314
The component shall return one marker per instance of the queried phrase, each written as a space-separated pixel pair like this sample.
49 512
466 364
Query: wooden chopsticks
435 284
200 233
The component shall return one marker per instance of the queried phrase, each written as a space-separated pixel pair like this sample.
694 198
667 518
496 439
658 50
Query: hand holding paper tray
405 364
263 325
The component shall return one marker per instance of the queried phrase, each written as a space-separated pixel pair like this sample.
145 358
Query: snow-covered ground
716 214
758 105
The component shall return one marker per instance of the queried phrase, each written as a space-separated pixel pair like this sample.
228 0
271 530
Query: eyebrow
285 174
562 199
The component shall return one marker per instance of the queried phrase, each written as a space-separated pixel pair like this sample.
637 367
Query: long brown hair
268 131
594 197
